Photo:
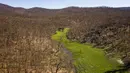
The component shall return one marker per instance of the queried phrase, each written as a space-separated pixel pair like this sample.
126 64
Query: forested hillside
25 36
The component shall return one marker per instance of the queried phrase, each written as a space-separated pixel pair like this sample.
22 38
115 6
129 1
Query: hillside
27 33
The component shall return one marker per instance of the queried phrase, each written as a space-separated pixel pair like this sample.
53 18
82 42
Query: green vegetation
87 59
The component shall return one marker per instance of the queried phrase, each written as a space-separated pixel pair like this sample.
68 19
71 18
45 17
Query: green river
87 59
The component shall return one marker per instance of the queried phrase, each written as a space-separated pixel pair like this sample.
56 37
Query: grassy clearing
87 59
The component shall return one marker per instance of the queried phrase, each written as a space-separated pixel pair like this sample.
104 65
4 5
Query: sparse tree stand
29 51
